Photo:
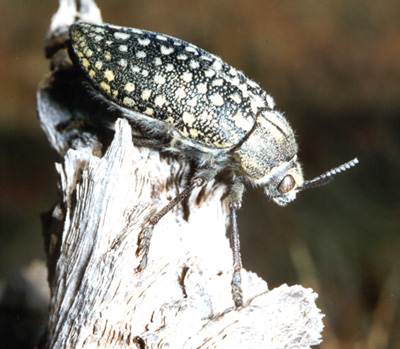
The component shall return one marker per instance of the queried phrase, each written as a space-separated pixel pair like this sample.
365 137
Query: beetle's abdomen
170 80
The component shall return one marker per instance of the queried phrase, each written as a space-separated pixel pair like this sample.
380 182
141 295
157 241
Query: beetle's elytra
191 102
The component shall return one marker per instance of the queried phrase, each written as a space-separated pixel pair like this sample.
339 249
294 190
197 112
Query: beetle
191 103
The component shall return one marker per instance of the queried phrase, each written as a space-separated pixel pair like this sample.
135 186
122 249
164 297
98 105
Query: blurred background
332 66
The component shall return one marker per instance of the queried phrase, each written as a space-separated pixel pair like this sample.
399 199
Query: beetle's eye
286 185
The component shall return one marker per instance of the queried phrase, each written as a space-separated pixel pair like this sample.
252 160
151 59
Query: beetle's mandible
191 102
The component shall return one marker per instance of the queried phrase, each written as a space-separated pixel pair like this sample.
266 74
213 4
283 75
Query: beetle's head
268 157
286 180
283 181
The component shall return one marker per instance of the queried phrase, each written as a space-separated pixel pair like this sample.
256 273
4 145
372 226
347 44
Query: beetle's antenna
328 176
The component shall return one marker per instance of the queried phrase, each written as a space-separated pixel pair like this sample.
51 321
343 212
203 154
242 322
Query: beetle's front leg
236 195
203 176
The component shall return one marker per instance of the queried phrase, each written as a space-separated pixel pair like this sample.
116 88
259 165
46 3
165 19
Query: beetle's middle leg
203 176
235 201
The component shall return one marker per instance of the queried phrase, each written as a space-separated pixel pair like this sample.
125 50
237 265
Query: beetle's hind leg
203 176
147 232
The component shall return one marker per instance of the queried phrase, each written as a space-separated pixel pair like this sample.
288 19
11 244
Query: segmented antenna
328 176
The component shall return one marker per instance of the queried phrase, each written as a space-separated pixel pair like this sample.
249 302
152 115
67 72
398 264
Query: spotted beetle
190 102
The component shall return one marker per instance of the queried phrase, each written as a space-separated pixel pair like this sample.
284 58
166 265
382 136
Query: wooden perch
109 190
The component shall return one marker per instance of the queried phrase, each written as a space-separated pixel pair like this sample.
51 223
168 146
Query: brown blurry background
334 68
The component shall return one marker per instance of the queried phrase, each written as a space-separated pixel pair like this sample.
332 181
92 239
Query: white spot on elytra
130 87
140 54
129 102
109 75
105 87
243 88
182 57
217 100
88 52
159 79
187 76
137 31
159 101
146 94
202 88
135 69
85 63
121 36
185 132
194 64
192 102
123 63
145 72
149 111
209 73
166 50
235 81
98 65
218 82
241 122
233 72
217 65
161 37
206 58
157 61
236 98
98 38
188 119
169 67
256 102
191 49
180 93
205 118
253 105
144 42
123 48
170 120
99 30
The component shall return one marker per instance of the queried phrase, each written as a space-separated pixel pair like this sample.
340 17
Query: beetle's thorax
269 153
270 143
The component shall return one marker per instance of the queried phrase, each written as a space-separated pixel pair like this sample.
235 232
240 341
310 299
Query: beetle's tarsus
237 293
144 246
